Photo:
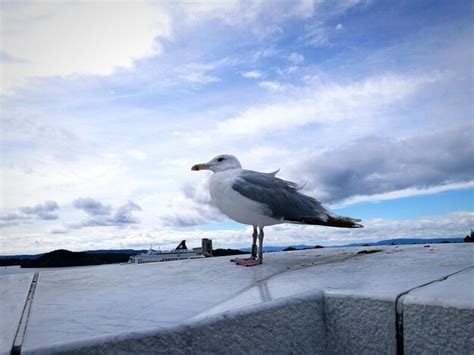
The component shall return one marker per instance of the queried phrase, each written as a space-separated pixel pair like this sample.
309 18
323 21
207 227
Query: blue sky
105 106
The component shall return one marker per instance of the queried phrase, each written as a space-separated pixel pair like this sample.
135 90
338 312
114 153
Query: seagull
262 199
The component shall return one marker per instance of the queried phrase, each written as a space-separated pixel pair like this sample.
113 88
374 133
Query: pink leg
260 246
253 261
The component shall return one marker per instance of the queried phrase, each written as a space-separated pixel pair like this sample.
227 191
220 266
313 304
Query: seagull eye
220 159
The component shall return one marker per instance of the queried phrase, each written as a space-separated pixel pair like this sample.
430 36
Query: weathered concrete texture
359 325
13 293
439 318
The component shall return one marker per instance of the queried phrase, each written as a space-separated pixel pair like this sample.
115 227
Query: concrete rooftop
405 299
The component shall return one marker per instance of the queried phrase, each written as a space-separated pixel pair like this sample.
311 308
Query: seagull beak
198 167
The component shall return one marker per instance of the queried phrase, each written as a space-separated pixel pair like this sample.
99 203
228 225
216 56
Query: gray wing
282 197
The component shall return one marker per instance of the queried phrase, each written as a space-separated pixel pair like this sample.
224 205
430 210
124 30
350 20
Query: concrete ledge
317 301
440 317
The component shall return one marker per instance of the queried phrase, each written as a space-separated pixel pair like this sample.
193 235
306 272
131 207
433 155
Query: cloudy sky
105 106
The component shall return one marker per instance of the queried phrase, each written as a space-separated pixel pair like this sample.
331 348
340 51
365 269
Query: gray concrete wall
440 317
282 327
359 325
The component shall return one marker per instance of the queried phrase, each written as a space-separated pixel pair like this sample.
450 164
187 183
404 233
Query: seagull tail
333 221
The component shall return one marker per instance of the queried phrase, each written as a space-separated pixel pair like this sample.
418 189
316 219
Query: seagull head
219 163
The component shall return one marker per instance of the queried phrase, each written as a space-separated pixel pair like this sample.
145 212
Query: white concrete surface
314 301
13 292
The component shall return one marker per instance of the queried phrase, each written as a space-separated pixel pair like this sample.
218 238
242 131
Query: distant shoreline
395 241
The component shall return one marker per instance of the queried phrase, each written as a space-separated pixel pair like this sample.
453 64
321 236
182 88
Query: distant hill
20 257
5 258
62 258
225 252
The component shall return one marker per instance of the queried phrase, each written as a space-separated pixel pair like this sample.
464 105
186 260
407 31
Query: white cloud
91 206
267 52
64 38
44 39
42 211
319 33
263 16
91 174
100 215
454 224
291 69
264 19
201 73
252 74
137 154
191 207
316 36
324 103
270 85
296 58
198 76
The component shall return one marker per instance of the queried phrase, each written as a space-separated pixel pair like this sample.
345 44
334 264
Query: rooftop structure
388 300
